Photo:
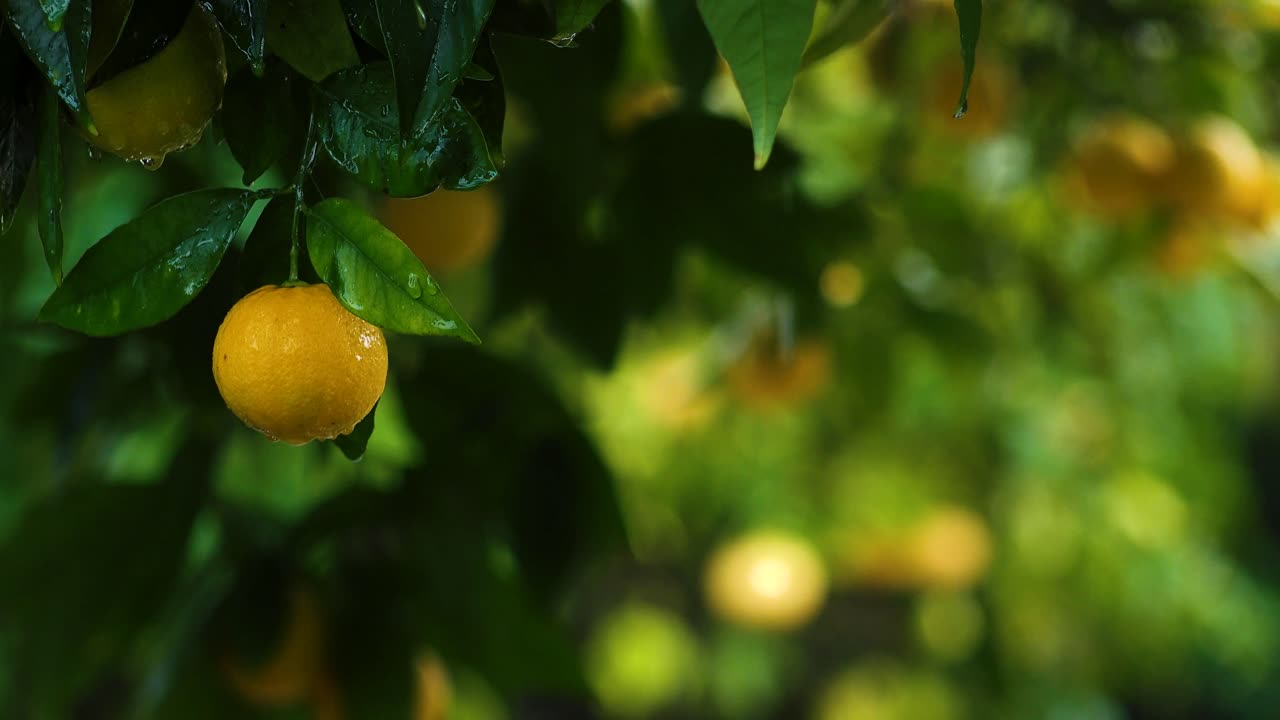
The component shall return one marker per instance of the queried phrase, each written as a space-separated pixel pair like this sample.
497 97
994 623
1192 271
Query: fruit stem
304 167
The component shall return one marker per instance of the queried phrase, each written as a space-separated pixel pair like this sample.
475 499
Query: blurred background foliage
930 419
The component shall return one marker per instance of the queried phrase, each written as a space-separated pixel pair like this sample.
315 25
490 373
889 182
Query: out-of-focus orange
948 548
448 230
768 376
768 579
1219 173
1118 166
636 105
293 671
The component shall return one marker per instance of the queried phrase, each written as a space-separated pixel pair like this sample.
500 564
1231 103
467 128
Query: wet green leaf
245 22
61 54
53 11
149 268
19 89
848 22
574 15
49 169
109 19
257 118
357 127
354 443
763 42
969 13
375 276
312 36
429 46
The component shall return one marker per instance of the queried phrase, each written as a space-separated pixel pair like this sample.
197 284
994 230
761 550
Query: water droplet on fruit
151 163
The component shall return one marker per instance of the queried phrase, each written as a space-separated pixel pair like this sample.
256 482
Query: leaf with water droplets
49 171
375 276
429 46
357 128
245 23
969 13
763 42
53 12
148 269
19 89
62 53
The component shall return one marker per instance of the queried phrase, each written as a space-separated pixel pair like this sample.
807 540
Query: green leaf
148 27
375 276
19 88
763 42
53 11
61 54
149 268
312 36
848 22
49 170
245 22
109 20
969 13
690 50
357 129
257 118
429 46
354 443
574 15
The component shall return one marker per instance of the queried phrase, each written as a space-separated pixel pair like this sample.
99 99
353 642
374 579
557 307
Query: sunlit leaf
149 268
375 276
763 42
848 22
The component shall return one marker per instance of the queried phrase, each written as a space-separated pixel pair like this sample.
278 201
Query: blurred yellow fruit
1219 173
293 672
991 93
767 580
634 106
949 548
674 392
842 283
294 364
164 104
435 694
767 376
640 659
883 691
1118 165
448 230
